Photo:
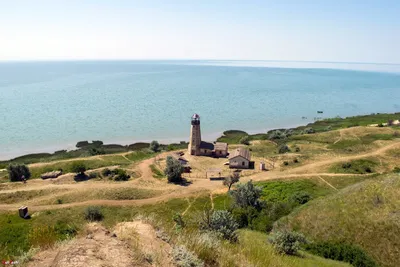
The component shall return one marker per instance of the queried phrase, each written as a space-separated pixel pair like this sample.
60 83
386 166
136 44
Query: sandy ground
130 244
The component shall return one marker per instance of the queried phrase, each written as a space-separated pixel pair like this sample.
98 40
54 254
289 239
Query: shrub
93 213
93 175
286 163
283 149
185 258
297 149
245 140
295 160
341 252
65 230
179 221
16 171
106 172
287 242
300 197
346 165
246 195
221 222
396 170
96 151
120 175
173 170
59 201
277 135
78 167
309 130
154 146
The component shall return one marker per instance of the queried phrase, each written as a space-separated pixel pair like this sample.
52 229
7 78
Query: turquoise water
46 106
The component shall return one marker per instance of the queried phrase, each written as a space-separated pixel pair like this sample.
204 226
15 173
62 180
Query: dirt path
341 136
97 249
329 184
144 238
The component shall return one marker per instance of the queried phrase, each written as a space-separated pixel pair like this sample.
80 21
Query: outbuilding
240 159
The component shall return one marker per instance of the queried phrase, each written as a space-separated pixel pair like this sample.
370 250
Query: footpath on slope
131 244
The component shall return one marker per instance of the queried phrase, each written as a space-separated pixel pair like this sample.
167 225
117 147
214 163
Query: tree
231 179
78 167
154 146
245 140
246 195
173 170
16 171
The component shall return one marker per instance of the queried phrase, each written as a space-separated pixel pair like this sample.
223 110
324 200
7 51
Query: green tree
173 170
154 146
245 140
78 167
246 195
16 171
231 179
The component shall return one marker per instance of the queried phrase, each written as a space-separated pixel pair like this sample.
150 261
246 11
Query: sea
48 106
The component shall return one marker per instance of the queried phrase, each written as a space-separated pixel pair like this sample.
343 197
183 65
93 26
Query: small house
240 159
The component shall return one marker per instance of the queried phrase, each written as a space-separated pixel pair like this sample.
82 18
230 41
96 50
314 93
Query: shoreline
125 141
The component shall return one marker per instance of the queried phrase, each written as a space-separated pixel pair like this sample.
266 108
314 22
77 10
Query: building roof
221 146
242 152
206 145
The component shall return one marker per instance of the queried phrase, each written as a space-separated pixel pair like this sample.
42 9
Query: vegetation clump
16 172
246 195
78 167
283 149
341 252
154 146
116 174
245 140
220 222
93 213
185 258
286 242
173 170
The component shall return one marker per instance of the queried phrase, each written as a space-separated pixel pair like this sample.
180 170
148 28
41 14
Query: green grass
157 173
20 196
280 191
140 155
126 193
359 166
234 136
365 214
263 149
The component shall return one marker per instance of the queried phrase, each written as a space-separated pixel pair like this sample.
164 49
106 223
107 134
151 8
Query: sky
298 30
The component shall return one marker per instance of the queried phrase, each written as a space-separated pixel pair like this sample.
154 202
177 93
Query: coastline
128 141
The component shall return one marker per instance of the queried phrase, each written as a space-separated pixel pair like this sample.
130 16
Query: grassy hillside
365 214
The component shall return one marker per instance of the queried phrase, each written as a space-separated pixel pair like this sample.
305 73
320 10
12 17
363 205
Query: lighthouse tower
195 136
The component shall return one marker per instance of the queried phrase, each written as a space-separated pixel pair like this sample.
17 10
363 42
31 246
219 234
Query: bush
286 163
277 135
309 130
246 195
300 197
93 213
341 252
106 172
120 175
283 149
297 149
16 171
173 170
346 165
245 140
78 167
179 221
287 242
221 222
396 170
295 160
154 146
185 258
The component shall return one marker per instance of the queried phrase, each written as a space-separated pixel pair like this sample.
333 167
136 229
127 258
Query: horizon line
212 60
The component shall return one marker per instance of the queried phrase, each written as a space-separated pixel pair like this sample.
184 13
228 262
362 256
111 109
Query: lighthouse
195 136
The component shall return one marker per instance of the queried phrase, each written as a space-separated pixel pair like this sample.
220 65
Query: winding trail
195 189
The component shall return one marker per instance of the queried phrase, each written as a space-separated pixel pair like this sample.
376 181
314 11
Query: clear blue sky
312 30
